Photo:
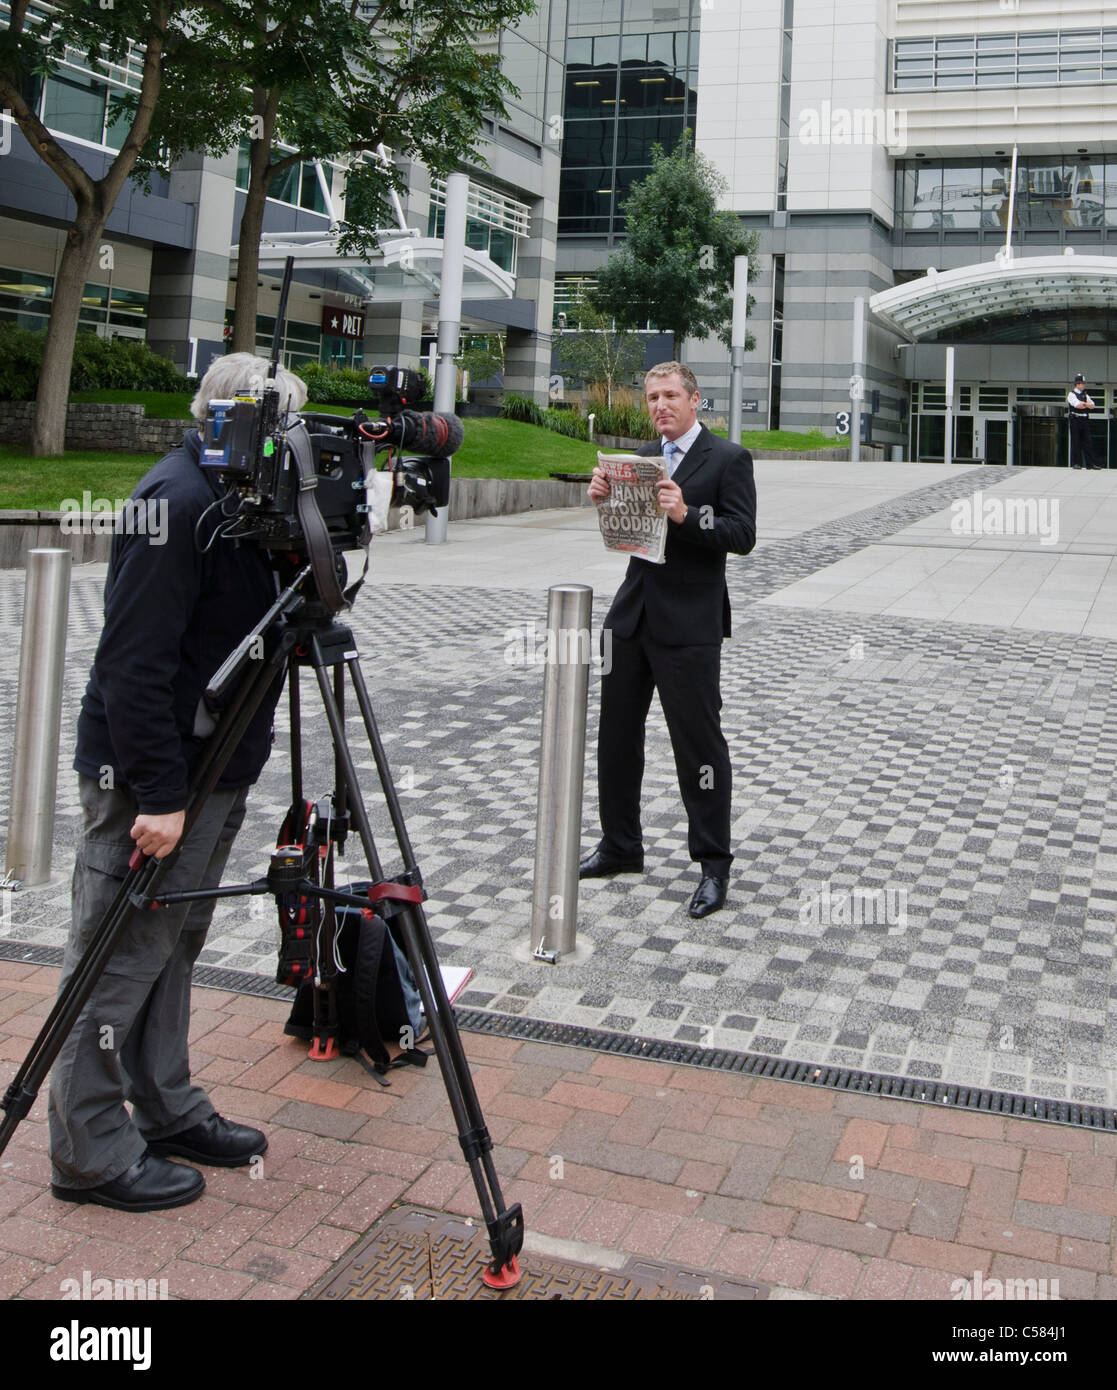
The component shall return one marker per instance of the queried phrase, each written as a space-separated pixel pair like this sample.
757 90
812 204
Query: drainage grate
867 1083
1062 1112
417 1255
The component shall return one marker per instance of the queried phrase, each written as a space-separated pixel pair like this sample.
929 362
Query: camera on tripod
269 462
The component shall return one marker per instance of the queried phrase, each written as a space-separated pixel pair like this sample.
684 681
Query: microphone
436 435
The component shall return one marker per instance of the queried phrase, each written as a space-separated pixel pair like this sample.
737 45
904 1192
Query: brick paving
816 1192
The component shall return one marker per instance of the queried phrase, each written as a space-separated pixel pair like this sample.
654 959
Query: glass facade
1059 57
298 185
625 92
108 310
1059 199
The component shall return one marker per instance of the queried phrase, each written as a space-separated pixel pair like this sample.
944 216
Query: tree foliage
597 352
675 269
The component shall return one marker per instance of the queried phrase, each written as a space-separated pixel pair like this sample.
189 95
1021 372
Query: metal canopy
1002 289
404 268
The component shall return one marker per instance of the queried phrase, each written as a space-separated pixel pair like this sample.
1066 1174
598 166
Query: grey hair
689 380
242 372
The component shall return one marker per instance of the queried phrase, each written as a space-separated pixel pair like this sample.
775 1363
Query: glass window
1079 38
996 43
1086 187
668 49
1111 192
925 209
525 65
634 48
119 123
606 49
1079 73
25 298
960 45
243 155
94 305
588 142
579 52
588 90
502 249
128 308
1029 42
635 138
284 187
962 196
906 47
310 193
75 105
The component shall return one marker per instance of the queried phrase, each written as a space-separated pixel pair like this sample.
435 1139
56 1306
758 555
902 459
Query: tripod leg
505 1225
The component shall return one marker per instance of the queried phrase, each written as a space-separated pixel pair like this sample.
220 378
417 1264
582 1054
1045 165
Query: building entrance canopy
406 267
948 303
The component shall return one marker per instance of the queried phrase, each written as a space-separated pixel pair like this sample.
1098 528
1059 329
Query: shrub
566 422
327 383
522 408
100 364
627 416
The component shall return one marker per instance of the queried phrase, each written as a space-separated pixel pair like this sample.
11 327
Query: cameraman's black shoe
598 864
151 1184
216 1141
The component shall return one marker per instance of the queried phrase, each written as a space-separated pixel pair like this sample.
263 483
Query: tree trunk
48 432
265 107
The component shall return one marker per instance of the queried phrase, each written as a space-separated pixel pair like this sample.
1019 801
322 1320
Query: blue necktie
671 452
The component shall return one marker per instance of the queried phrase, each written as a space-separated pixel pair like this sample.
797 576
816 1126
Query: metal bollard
38 716
562 755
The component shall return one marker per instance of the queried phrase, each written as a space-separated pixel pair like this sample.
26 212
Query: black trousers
688 682
1081 444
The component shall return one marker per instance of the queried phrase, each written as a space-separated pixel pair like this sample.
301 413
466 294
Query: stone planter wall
120 428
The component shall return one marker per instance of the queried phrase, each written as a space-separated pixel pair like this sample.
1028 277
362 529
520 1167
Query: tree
597 352
675 269
335 78
33 46
482 357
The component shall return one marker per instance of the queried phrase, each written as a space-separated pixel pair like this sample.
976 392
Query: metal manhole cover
414 1254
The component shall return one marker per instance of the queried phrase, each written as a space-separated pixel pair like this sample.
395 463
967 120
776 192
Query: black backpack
375 993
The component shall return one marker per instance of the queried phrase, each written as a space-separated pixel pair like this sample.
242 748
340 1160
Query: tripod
299 630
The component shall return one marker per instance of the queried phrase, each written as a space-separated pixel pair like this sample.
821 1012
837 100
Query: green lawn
492 449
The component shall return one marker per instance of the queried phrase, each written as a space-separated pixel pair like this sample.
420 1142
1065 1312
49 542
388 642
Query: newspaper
630 517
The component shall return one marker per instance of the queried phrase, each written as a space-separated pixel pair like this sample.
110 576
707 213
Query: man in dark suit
666 627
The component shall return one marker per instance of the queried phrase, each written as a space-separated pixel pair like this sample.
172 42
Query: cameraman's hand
599 486
158 835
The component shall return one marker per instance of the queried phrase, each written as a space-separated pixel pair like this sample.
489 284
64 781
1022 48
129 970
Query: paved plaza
912 707
912 712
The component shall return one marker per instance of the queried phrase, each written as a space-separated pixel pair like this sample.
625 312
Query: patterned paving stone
926 878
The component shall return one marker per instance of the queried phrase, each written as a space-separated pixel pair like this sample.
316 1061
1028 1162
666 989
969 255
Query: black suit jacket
686 599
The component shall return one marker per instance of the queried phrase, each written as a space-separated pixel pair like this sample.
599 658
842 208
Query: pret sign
343 323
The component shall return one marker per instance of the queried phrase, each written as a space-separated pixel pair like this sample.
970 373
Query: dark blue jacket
172 616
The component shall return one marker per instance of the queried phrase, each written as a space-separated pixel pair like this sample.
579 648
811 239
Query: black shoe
151 1184
1076 465
601 865
216 1141
708 896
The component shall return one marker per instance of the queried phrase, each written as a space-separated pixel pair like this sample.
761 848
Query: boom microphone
435 435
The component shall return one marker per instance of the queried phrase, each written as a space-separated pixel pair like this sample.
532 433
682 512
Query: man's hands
670 494
671 499
599 485
158 835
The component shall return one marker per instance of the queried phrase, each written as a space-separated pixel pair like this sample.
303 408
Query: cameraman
173 612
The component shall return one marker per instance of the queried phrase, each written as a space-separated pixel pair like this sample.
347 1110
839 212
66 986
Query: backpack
375 993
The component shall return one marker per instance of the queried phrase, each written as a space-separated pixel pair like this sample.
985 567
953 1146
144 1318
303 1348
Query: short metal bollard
38 716
562 755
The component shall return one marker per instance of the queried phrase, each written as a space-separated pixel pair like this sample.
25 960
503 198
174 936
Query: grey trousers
130 1040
